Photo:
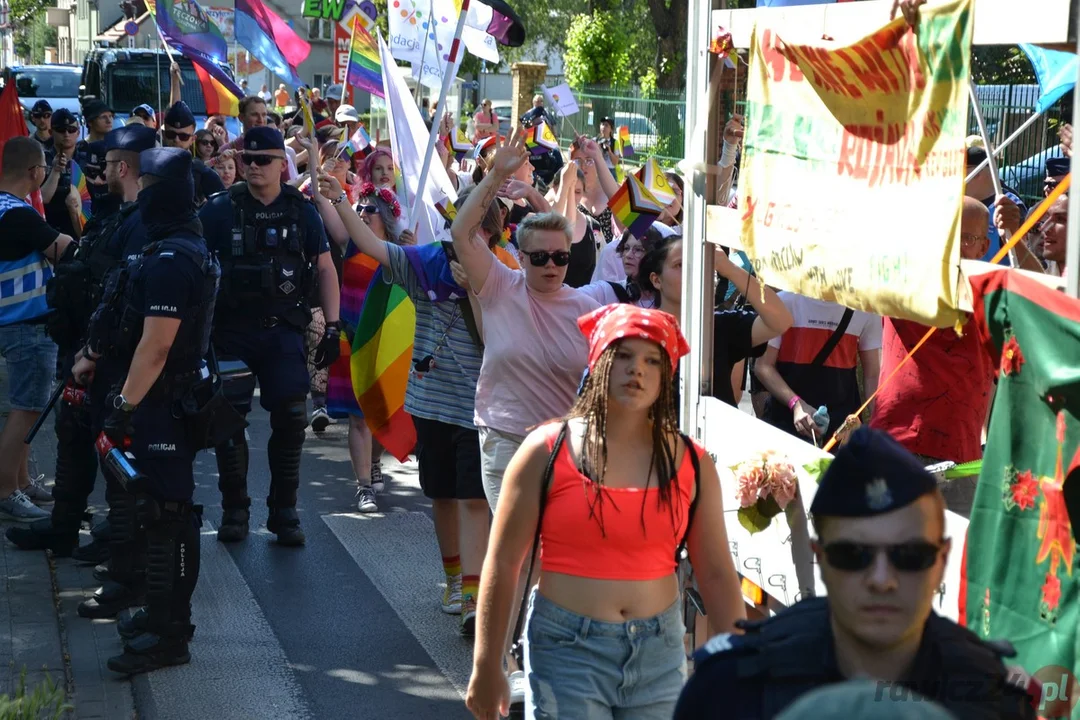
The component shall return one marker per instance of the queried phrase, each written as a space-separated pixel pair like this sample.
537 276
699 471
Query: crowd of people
543 394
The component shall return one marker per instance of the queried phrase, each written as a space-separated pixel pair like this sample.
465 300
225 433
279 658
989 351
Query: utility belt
297 318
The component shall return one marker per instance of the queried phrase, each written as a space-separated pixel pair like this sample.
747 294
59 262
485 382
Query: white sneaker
517 687
366 499
320 419
378 481
37 493
19 508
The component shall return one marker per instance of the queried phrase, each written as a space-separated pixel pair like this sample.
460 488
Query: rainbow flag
365 68
78 181
540 140
193 33
221 99
359 144
381 362
655 181
357 272
635 207
459 144
623 142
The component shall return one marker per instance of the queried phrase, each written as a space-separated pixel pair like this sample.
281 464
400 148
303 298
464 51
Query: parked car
502 111
1026 177
59 84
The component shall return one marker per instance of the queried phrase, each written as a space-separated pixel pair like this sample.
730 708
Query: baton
45 413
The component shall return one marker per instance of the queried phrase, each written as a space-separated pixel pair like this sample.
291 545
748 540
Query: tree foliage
597 50
32 37
1000 65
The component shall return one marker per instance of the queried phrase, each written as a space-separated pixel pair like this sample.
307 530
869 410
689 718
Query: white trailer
776 565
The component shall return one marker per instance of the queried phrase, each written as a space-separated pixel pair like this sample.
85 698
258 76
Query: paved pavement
348 626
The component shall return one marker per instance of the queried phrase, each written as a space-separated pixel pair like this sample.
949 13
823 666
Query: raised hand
329 186
511 155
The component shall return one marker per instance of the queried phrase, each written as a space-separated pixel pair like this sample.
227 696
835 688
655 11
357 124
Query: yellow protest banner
853 165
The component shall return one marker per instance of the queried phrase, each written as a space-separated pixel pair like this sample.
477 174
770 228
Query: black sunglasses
209 143
71 130
914 556
367 209
39 116
173 135
561 258
260 160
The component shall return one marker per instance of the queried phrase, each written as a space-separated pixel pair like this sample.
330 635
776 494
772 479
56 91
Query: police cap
179 115
263 138
41 107
167 163
95 153
62 118
870 475
863 699
93 108
1057 167
135 138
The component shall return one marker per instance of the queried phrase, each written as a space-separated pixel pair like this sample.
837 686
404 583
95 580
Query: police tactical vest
265 267
790 655
22 281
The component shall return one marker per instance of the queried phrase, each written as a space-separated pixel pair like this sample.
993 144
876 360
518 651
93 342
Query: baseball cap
41 107
144 110
346 113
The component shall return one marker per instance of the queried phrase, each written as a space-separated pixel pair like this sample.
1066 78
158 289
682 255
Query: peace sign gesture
510 155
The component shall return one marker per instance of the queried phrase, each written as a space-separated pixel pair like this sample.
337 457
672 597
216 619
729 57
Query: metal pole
1072 248
995 178
423 49
1004 144
433 137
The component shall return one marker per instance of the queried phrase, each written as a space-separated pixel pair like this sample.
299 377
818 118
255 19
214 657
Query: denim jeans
31 361
584 669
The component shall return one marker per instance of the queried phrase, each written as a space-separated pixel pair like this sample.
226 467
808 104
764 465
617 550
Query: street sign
131 27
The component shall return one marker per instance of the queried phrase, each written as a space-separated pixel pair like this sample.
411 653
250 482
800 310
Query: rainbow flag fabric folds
623 140
365 69
635 207
381 361
652 177
192 33
540 140
220 99
359 145
78 181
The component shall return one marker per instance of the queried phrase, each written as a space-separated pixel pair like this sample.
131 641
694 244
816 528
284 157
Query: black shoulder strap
199 258
465 307
834 339
620 291
545 482
696 462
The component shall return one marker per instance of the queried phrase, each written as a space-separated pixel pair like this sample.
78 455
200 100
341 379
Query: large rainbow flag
190 31
357 272
78 181
365 68
381 361
220 99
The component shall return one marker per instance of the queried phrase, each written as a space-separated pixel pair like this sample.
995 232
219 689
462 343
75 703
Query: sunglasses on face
208 143
260 160
72 130
367 210
561 258
42 116
916 556
174 135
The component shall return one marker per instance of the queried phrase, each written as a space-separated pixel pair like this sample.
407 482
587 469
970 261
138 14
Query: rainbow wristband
793 402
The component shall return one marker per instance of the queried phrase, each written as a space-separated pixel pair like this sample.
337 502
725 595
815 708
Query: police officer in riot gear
155 322
272 246
73 293
178 131
881 546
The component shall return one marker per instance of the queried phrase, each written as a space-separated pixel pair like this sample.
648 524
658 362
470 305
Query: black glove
329 349
118 427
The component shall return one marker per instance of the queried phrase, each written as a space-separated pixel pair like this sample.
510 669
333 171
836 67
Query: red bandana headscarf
614 322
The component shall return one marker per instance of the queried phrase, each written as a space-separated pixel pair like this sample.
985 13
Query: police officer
272 246
881 546
178 131
73 293
61 204
155 321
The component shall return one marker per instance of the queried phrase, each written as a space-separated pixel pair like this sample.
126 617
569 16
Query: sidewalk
39 628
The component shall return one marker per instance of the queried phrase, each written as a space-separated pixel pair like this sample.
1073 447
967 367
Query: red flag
13 124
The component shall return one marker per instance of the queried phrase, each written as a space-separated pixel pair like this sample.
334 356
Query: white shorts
496 449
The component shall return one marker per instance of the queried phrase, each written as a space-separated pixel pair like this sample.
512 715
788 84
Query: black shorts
449 460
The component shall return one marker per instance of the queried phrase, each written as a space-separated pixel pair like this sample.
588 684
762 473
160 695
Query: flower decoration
1011 357
1025 489
385 194
721 43
1051 592
766 485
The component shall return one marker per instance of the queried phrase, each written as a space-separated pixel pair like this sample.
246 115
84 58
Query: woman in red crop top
604 634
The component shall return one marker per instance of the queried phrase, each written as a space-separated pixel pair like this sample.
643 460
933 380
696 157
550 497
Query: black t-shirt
583 255
732 337
56 212
22 232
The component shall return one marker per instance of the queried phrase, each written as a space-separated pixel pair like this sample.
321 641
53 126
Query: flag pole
448 78
990 152
352 39
1005 143
423 51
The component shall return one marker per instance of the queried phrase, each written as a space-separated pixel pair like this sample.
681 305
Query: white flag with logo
475 35
405 23
439 24
561 98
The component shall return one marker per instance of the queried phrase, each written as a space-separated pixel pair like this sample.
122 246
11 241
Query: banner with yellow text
853 166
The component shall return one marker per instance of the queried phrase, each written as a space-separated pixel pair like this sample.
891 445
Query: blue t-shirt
995 238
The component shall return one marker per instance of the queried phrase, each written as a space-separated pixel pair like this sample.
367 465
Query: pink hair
369 163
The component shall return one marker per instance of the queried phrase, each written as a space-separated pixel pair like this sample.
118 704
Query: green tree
669 19
597 50
32 36
1000 65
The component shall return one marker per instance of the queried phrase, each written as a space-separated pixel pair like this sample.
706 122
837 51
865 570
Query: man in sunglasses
41 116
178 131
272 247
881 546
57 190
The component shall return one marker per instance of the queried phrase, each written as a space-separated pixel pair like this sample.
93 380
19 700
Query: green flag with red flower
1020 581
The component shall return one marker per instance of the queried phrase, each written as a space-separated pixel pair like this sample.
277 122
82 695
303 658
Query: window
322 80
319 29
48 83
132 84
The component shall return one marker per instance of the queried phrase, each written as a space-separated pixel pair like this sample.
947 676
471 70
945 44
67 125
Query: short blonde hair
549 221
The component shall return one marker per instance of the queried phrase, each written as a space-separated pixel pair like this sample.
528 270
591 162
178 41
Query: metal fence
657 121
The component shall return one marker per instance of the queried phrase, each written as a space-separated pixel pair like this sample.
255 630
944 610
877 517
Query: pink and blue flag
270 39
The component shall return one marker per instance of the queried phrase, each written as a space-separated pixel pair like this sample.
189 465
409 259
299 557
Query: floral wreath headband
368 190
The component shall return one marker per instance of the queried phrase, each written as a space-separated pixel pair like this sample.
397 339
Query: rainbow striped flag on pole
78 181
540 140
220 99
365 69
381 361
635 207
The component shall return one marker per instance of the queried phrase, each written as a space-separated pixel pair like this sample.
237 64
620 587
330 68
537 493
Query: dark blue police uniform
73 293
267 255
175 278
760 673
180 119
